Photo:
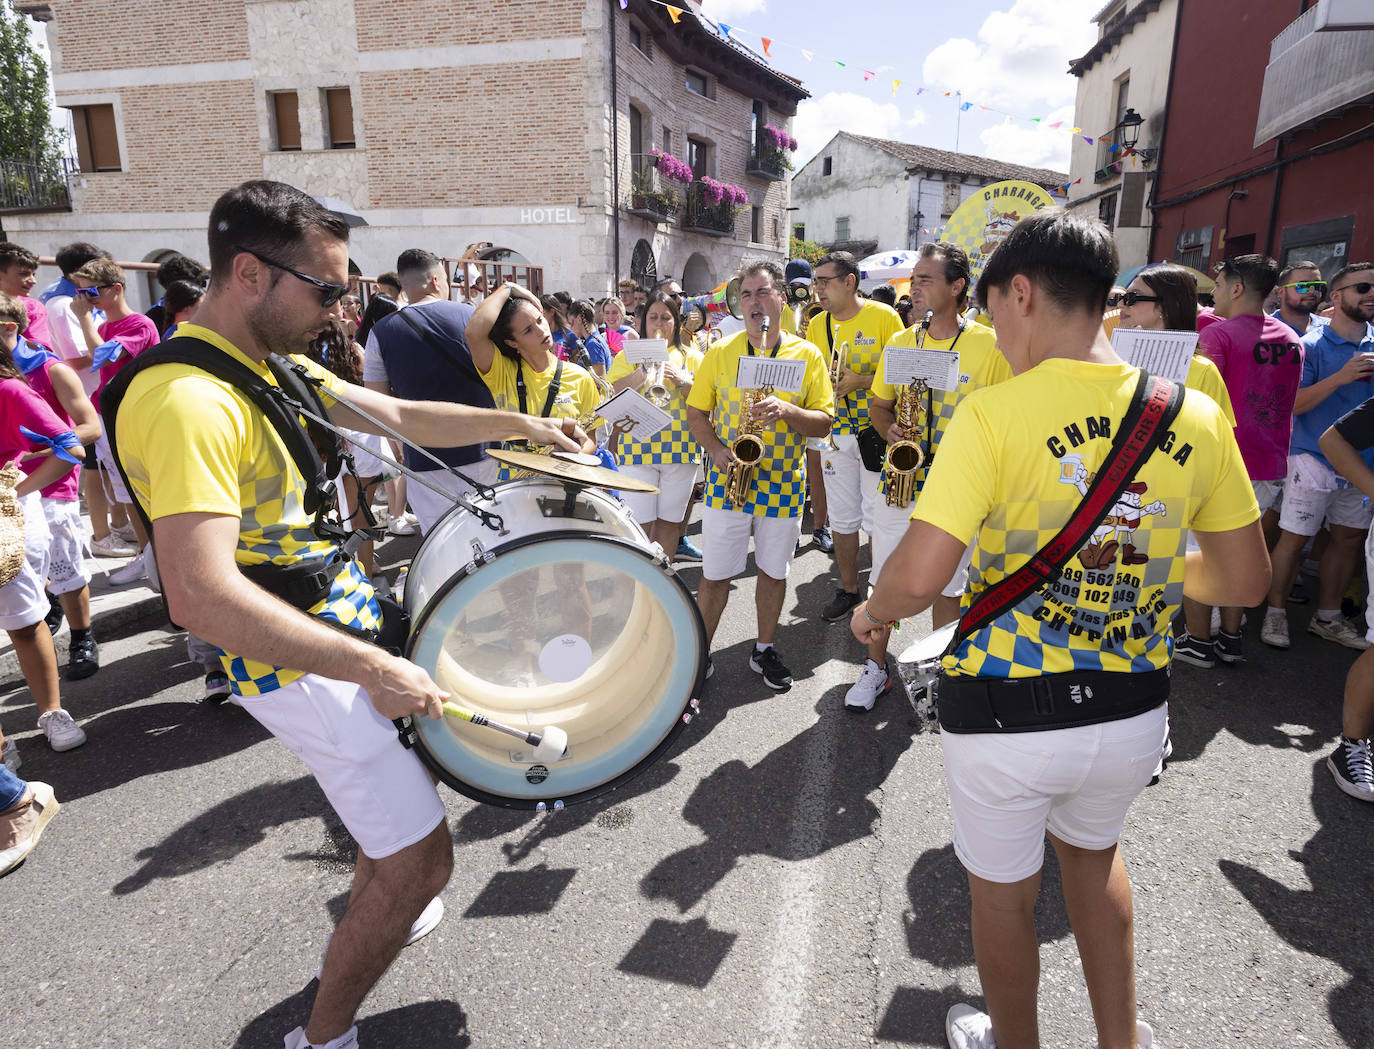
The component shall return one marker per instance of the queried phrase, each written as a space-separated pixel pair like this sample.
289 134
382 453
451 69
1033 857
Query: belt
1051 701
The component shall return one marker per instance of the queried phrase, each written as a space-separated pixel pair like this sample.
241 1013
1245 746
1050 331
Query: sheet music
630 413
1166 353
645 351
903 365
785 375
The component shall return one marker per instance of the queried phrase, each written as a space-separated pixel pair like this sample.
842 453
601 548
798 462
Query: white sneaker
1274 629
873 682
1338 630
127 533
62 731
347 1040
431 916
112 546
967 1028
133 572
9 755
401 525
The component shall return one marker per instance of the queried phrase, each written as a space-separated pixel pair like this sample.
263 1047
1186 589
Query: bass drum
566 617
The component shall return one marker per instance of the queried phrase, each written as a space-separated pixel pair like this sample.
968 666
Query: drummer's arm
922 565
443 424
208 595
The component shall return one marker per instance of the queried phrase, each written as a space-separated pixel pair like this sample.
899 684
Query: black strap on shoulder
1154 405
463 364
554 385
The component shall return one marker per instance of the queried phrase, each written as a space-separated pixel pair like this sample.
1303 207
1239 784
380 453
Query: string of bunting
735 33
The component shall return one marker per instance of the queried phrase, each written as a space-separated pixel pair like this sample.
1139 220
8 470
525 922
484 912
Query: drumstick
550 745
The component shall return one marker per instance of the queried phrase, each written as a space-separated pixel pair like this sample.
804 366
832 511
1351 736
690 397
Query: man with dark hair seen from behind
1338 363
420 353
188 442
1047 722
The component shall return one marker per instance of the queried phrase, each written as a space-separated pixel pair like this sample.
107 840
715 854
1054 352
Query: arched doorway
643 266
507 255
697 278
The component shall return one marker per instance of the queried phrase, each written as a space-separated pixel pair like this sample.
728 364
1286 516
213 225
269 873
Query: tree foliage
26 129
809 250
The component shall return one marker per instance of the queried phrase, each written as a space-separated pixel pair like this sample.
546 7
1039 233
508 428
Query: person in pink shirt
17 268
124 334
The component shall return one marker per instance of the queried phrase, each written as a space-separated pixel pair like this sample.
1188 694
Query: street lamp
1127 133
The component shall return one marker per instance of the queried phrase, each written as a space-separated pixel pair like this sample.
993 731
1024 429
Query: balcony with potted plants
712 206
653 191
770 158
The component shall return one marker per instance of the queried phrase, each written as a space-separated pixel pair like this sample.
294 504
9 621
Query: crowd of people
1014 408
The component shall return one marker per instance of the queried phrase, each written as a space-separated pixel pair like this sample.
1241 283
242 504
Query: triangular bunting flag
1087 140
868 74
1077 180
1077 130
965 107
724 29
674 12
1114 147
919 90
1036 120
985 107
839 63
948 93
895 85
1056 123
766 45
624 5
808 55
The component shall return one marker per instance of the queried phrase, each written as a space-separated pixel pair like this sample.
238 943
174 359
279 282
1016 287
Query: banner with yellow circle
980 222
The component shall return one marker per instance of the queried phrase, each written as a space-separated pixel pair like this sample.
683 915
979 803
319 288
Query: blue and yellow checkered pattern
866 334
674 443
577 396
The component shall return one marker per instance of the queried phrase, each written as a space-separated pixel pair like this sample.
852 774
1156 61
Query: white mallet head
552 745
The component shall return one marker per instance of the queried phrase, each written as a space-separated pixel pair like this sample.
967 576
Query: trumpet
747 447
657 389
905 457
839 362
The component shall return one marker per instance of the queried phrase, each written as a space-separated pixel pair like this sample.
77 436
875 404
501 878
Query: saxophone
905 457
747 447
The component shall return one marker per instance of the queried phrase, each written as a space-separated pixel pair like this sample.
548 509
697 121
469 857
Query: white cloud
818 119
1021 56
1021 142
729 10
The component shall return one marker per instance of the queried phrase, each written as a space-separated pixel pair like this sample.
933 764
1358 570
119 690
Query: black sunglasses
1362 288
1130 298
329 293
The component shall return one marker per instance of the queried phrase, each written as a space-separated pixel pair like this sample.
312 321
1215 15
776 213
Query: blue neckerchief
61 286
59 443
105 353
29 355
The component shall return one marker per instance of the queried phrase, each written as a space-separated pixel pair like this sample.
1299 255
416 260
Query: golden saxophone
905 457
747 447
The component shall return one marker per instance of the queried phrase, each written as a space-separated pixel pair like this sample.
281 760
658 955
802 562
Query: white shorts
109 473
1313 492
1007 788
429 506
68 546
1269 494
379 788
674 482
22 600
725 543
889 525
1369 570
850 490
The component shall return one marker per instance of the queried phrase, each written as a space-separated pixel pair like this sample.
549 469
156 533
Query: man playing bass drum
1052 703
940 285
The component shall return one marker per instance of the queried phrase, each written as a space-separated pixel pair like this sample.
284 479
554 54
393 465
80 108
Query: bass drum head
581 631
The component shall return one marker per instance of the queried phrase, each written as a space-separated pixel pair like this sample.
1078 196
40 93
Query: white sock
1275 613
759 646
1328 614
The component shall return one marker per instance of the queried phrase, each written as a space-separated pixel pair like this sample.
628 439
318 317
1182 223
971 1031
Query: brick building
443 124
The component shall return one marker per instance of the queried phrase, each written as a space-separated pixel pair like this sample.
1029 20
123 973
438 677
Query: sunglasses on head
1130 298
330 294
1302 287
1362 288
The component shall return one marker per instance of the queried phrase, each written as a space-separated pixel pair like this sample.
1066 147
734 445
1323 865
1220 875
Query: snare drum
918 667
567 616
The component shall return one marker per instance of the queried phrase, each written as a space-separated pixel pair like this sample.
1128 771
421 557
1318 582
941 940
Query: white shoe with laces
62 730
132 572
297 1040
967 1028
9 756
873 682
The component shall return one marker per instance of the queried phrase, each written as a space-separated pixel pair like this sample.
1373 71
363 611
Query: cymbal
571 466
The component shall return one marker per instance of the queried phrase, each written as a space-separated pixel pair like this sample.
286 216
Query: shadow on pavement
750 809
1333 918
227 829
425 1025
916 1015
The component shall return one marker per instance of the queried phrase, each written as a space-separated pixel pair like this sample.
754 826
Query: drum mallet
550 745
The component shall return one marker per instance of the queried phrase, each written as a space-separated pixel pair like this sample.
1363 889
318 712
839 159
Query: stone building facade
443 124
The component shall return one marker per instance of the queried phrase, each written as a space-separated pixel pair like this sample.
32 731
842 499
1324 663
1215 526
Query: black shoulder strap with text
1154 405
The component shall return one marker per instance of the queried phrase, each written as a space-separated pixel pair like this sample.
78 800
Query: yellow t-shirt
980 364
191 443
1012 469
674 443
577 394
789 319
779 481
1205 377
867 332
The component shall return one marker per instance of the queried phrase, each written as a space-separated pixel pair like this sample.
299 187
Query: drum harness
1088 697
316 448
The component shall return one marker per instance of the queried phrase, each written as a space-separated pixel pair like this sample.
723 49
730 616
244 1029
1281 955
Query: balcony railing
652 196
34 185
1311 74
767 162
700 216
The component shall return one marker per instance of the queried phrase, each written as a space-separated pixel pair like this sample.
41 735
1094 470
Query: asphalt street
782 878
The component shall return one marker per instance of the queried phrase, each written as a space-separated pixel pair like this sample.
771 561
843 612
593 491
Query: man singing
771 508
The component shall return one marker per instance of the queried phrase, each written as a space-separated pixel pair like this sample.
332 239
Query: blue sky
1011 55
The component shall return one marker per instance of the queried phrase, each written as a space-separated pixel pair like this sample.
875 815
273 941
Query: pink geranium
778 138
670 167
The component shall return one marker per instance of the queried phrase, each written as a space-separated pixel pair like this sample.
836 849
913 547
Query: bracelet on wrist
891 624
